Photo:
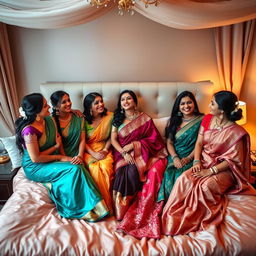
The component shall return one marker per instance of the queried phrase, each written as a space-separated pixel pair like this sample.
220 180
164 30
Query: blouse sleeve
30 134
206 121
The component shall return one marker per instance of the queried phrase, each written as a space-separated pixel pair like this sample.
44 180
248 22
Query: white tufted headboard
154 98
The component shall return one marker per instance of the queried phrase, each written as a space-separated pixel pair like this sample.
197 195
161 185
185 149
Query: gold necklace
220 126
132 117
189 119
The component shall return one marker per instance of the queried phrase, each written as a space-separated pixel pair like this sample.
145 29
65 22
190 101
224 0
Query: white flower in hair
22 113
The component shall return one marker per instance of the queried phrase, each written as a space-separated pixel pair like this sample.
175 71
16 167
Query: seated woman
139 164
98 157
70 126
181 133
221 166
37 137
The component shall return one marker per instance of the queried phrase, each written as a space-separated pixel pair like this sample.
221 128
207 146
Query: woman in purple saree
140 160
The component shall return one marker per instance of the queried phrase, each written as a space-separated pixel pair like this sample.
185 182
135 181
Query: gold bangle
56 146
123 153
212 171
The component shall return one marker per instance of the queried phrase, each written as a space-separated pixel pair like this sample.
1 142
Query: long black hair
31 104
176 116
56 98
228 102
87 103
119 114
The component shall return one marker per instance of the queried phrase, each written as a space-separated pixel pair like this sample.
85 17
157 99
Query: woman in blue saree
69 185
181 133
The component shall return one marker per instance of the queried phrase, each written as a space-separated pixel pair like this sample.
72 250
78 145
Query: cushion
13 152
160 124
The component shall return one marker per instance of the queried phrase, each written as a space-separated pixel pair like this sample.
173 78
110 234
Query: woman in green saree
38 139
181 133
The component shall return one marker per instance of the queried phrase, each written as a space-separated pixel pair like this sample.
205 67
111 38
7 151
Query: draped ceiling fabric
180 14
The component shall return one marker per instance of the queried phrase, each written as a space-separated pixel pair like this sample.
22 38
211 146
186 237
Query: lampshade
243 120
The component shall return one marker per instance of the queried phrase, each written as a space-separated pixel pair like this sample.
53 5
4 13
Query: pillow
160 124
13 152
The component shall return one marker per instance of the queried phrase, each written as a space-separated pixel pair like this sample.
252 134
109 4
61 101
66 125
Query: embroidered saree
184 144
136 185
70 186
196 203
100 170
71 135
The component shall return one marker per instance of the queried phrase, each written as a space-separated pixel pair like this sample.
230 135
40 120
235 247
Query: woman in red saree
221 167
140 161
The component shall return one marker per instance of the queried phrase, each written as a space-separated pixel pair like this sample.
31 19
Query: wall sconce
243 120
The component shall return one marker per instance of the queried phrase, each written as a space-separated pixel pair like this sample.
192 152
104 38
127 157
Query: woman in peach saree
98 156
221 167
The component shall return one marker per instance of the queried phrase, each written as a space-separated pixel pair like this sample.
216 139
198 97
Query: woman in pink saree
221 167
140 161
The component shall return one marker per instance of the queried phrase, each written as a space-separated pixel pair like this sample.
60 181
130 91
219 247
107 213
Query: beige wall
113 48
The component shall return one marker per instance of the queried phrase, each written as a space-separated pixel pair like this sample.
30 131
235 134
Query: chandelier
123 5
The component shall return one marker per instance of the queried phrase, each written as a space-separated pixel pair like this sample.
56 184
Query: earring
38 118
179 114
91 112
57 112
122 110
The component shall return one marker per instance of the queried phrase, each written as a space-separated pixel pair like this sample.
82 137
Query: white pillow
160 124
13 152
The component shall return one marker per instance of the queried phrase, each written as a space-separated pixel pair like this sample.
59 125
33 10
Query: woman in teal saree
181 133
69 185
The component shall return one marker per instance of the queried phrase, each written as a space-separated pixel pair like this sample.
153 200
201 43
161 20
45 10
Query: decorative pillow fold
13 152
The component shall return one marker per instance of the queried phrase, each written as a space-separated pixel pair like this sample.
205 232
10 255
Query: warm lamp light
243 120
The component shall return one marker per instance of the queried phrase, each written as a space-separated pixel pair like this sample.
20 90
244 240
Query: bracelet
104 149
175 156
196 161
215 169
190 157
56 146
123 153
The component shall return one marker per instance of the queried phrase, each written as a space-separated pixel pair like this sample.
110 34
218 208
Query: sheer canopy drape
181 14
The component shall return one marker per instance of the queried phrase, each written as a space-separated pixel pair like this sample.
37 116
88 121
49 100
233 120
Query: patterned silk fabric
197 203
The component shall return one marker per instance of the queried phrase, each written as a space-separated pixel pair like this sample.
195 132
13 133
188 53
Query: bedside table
6 177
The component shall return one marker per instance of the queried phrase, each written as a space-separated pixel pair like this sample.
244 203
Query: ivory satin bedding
30 225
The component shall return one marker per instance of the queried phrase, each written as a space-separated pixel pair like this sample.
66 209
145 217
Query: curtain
181 14
8 91
233 44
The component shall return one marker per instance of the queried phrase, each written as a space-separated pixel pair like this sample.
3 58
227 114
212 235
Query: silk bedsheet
30 225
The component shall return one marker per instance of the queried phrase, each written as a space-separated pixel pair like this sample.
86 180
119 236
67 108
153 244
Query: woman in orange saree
221 167
98 156
140 161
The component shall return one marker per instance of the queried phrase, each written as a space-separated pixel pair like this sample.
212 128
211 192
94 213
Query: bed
30 224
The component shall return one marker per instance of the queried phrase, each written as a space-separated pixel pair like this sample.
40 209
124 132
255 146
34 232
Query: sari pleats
184 144
70 186
136 186
101 170
196 203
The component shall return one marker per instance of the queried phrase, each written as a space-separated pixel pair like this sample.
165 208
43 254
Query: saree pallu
136 185
184 144
196 203
70 186
71 135
101 170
